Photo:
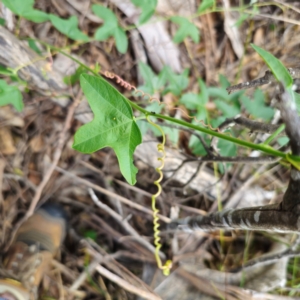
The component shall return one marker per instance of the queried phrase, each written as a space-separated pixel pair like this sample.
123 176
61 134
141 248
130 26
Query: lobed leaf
205 4
24 8
257 106
68 27
147 7
113 125
186 28
110 28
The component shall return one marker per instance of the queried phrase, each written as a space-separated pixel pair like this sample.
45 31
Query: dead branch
282 217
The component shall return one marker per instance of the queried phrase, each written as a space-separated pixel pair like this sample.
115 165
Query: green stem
274 135
264 148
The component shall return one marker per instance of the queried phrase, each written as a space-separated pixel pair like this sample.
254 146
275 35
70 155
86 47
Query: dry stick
267 79
110 194
56 157
133 282
84 275
2 166
125 285
254 126
268 259
122 222
122 183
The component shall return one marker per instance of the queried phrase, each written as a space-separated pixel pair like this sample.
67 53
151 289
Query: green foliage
186 28
34 47
69 27
24 8
165 82
110 28
241 20
176 83
275 65
282 141
206 4
91 234
148 9
74 78
227 105
113 125
10 95
153 83
257 107
197 102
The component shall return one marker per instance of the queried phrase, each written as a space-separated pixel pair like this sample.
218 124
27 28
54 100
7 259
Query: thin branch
268 259
110 194
253 126
267 79
123 222
125 285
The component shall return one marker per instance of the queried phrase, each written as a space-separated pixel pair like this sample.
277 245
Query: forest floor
108 253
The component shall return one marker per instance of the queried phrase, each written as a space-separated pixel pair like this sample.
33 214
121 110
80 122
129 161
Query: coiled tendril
161 148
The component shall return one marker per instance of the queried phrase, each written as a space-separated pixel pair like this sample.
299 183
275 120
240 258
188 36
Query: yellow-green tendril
161 148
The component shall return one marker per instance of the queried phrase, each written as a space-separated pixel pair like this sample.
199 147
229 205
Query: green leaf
190 100
197 101
25 9
110 28
241 19
6 71
113 125
223 81
227 148
186 28
10 95
275 65
34 47
2 22
219 93
106 15
203 92
148 9
171 133
257 106
36 16
69 28
205 4
196 146
92 234
176 83
121 40
228 110
74 78
283 140
153 83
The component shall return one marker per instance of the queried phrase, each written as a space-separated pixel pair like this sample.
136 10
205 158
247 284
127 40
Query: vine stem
294 160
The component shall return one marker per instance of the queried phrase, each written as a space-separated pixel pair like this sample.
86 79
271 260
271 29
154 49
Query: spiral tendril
129 86
160 148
